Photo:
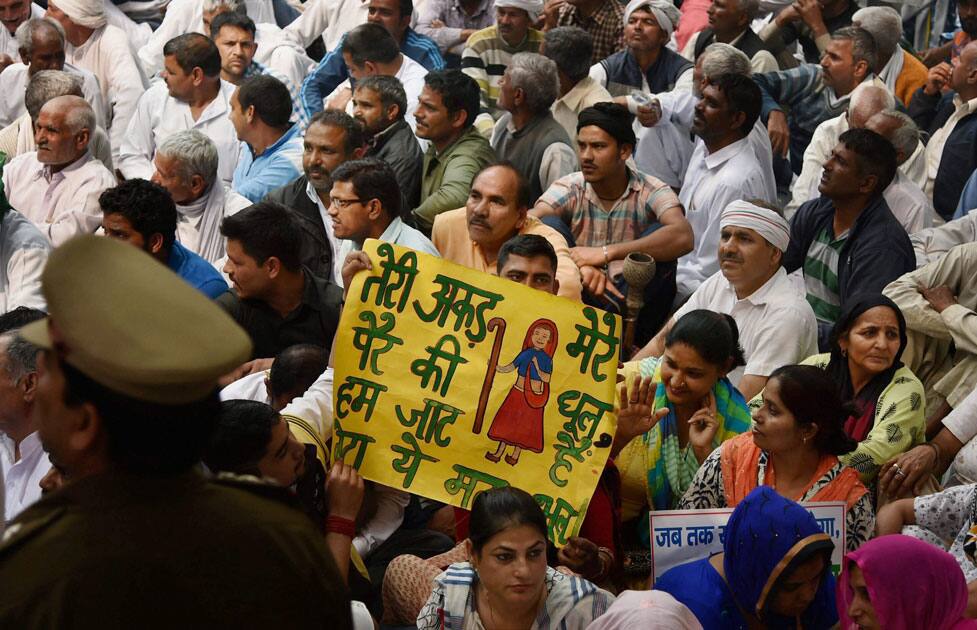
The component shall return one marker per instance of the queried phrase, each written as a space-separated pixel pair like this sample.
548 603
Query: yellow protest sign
450 381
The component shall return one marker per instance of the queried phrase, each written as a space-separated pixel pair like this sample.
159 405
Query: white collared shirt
107 55
159 116
909 204
937 142
776 324
711 183
13 86
337 263
398 233
62 204
8 43
21 478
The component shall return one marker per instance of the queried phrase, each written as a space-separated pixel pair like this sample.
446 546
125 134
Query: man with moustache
776 324
379 103
13 13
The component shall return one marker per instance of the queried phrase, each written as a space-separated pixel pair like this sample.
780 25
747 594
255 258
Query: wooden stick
494 324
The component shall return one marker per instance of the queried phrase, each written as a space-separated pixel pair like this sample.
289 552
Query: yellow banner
450 381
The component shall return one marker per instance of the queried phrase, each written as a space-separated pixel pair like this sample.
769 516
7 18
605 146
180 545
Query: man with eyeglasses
365 203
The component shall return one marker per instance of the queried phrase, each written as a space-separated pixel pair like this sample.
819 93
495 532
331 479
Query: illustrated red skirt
517 423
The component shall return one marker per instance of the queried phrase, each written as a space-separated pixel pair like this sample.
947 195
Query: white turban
666 13
767 223
532 7
87 13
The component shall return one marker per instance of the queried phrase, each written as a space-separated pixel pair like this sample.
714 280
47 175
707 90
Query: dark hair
389 89
876 155
270 98
863 46
526 246
354 135
193 50
147 206
19 317
241 437
570 48
458 92
143 437
232 19
264 230
524 196
714 336
296 368
812 397
406 8
370 42
742 95
372 178
498 509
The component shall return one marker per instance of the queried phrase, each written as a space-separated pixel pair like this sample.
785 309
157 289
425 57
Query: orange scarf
740 458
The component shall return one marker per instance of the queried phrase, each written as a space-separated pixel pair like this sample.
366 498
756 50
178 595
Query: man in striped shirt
847 241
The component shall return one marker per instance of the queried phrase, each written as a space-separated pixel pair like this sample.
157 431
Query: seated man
42 48
900 70
609 210
938 301
293 371
271 151
380 103
529 259
729 23
18 137
57 186
276 299
192 96
951 151
23 461
365 203
570 49
23 253
933 243
722 170
776 324
814 93
603 20
489 51
445 116
811 28
394 16
17 14
527 135
142 214
450 24
186 166
369 50
496 213
331 138
847 240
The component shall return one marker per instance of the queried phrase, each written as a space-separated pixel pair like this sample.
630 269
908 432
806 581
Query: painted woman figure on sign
519 421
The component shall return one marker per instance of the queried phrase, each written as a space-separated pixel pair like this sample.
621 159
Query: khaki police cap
127 322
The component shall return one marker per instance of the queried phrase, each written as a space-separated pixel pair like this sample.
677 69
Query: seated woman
647 610
866 346
696 410
900 583
773 572
507 584
794 447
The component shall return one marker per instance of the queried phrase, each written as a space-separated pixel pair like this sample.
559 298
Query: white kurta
330 19
159 115
23 253
106 54
198 224
22 478
712 181
8 43
62 204
932 243
13 86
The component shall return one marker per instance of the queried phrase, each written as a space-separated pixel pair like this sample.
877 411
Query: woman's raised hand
703 426
637 414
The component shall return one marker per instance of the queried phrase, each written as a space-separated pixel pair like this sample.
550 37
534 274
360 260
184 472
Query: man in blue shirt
271 153
393 15
142 214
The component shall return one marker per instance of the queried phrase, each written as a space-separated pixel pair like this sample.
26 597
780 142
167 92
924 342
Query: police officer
138 537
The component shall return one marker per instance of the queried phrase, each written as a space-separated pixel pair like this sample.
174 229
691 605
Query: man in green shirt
445 116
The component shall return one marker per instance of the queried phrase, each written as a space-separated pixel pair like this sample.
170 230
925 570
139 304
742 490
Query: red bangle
340 525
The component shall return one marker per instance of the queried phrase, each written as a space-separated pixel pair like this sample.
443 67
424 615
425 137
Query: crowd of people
187 188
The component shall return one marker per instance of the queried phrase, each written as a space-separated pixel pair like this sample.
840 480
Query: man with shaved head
57 186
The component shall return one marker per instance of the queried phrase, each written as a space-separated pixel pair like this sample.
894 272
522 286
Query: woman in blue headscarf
773 573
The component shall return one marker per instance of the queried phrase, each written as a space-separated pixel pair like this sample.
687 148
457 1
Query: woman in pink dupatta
901 583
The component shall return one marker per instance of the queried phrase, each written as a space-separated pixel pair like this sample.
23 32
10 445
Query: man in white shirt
776 324
365 203
13 13
186 166
23 253
23 461
570 48
933 243
57 186
42 48
722 170
329 19
103 50
191 97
